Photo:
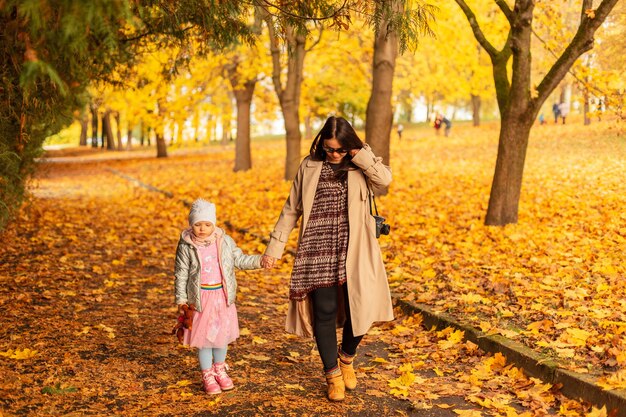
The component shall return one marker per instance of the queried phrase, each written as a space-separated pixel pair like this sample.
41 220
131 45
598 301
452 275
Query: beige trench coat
368 289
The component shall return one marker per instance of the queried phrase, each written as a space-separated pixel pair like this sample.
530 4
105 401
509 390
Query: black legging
325 312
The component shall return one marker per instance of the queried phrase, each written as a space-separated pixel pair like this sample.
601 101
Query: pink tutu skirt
216 326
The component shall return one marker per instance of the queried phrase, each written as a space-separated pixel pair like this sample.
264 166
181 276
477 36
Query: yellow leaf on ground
26 353
469 413
84 330
257 357
258 340
616 380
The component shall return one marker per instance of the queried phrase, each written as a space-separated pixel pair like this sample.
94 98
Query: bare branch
265 4
587 4
593 22
595 88
505 9
581 43
274 50
478 33
317 41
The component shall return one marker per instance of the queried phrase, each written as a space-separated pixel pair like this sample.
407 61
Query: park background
552 279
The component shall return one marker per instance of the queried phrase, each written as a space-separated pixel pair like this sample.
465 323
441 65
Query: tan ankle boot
336 387
347 370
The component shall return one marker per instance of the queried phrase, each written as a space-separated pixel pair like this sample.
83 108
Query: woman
338 278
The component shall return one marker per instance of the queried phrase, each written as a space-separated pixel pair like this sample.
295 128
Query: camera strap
370 193
373 200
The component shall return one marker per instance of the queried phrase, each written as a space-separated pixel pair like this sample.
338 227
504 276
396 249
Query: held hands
267 261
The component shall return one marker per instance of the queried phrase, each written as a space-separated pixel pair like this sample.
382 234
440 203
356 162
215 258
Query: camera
382 228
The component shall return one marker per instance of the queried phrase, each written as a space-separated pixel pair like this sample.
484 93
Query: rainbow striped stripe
210 286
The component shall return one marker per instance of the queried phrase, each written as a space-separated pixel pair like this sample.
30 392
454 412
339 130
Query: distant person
205 286
563 111
441 120
556 111
400 130
542 119
448 125
437 123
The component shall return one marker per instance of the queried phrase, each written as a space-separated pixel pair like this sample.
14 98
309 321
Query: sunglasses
333 150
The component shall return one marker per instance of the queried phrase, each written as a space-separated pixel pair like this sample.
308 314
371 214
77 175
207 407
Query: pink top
210 273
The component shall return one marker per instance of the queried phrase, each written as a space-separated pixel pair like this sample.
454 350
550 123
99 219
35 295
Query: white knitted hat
202 211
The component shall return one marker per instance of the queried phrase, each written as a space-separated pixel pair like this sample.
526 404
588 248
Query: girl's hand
267 261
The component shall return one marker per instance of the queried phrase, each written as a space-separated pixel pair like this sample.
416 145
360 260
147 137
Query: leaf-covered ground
86 283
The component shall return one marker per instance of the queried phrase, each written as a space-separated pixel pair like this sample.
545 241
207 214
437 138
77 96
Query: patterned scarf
203 242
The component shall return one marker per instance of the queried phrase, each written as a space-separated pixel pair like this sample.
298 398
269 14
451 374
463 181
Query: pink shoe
222 377
210 384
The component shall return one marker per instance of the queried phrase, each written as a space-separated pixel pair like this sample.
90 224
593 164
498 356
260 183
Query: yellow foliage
18 354
616 380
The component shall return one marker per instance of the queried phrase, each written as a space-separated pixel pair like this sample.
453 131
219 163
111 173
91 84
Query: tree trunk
161 111
408 112
476 102
290 102
178 136
107 130
243 96
84 126
225 130
507 180
196 125
129 136
161 146
209 128
379 114
308 128
289 96
119 131
586 107
142 132
94 127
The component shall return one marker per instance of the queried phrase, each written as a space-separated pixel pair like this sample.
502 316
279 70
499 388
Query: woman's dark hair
340 129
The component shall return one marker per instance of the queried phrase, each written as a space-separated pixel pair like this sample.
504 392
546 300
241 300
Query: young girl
206 259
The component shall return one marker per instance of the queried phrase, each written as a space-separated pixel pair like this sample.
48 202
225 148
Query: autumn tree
519 99
242 71
48 57
53 49
397 24
287 87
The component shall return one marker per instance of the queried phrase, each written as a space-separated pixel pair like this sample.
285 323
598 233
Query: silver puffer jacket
187 268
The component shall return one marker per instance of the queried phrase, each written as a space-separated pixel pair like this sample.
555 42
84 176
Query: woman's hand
267 261
354 151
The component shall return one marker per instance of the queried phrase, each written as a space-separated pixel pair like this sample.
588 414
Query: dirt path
86 282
